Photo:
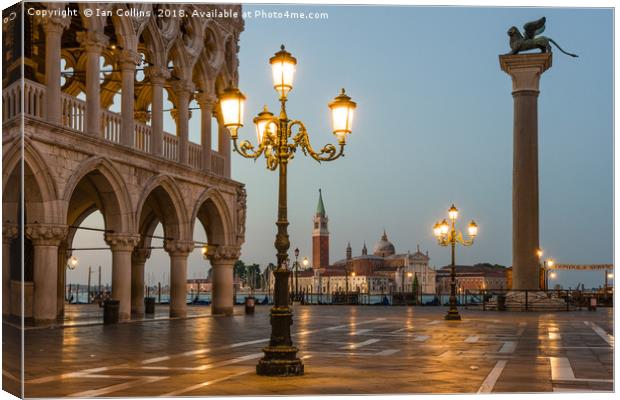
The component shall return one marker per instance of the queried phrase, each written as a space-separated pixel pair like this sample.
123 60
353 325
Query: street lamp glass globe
444 227
539 253
342 109
73 262
305 262
473 229
610 275
453 213
283 71
232 103
437 229
552 275
264 125
550 262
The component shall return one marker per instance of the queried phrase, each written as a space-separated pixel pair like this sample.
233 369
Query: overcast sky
433 126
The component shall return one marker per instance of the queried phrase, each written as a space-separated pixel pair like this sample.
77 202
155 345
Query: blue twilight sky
433 126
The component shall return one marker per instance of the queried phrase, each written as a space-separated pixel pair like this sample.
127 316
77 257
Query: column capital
179 247
55 24
157 74
525 69
9 232
121 241
128 59
141 116
221 253
206 100
92 41
46 234
183 86
139 255
174 113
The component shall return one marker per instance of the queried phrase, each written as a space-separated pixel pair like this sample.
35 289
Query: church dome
383 248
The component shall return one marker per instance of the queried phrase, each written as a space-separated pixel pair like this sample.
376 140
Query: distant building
320 237
472 278
383 271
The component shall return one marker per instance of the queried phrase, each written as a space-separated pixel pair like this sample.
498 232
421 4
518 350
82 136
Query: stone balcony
73 119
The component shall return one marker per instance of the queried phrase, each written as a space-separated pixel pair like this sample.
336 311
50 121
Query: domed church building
383 271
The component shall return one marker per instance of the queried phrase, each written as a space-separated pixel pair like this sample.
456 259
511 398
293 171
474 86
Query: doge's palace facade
80 156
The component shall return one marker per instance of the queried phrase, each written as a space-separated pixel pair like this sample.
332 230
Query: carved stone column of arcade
122 245
525 71
206 101
127 61
45 240
157 75
179 251
9 232
183 90
63 257
94 43
138 259
53 28
222 260
223 143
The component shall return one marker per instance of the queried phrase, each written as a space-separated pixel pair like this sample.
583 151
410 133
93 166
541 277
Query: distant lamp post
296 274
205 251
273 135
447 235
608 276
409 275
545 265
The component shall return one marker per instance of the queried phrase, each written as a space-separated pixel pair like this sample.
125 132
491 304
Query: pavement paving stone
348 350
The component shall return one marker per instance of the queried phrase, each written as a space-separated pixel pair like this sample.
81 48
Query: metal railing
73 113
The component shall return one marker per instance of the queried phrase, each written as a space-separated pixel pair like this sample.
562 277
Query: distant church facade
383 271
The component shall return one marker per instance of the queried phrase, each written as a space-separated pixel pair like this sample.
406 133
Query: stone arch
212 211
162 201
98 182
211 56
39 186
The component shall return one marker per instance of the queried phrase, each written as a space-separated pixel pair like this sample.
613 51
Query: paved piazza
346 350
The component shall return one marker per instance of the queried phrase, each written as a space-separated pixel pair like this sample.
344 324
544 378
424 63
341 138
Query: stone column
9 232
53 27
179 251
183 91
127 61
122 245
223 143
525 71
45 240
157 75
138 259
206 102
94 43
61 285
222 260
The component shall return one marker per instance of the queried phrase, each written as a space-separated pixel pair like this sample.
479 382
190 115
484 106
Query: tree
248 274
416 289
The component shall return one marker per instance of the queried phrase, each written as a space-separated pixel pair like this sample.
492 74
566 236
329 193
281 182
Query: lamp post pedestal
280 356
525 71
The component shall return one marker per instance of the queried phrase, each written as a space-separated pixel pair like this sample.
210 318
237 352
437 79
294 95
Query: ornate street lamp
447 235
72 263
273 135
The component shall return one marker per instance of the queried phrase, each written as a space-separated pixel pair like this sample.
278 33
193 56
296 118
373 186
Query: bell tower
320 237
